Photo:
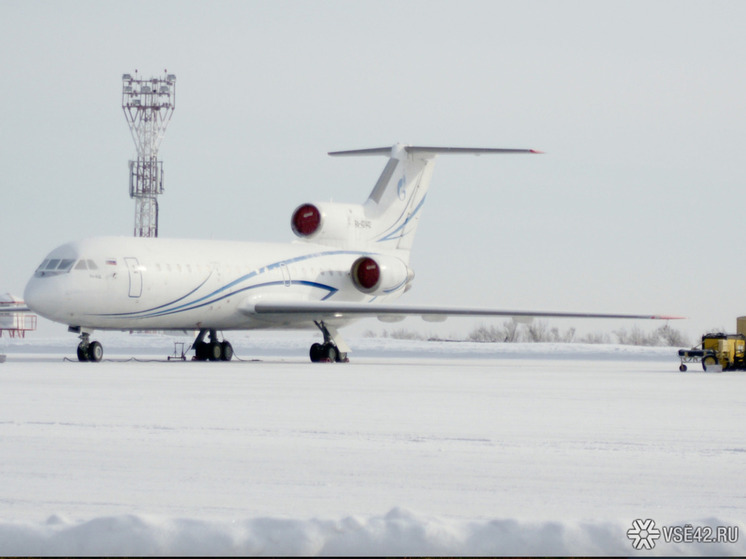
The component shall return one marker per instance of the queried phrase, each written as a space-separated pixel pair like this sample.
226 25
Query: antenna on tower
148 105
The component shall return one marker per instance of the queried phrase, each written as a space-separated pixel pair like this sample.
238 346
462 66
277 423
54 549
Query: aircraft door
286 281
135 276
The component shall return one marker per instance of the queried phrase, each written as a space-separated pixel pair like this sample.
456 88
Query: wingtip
535 151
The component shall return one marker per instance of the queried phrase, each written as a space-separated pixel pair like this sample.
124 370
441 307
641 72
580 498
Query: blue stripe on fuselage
161 310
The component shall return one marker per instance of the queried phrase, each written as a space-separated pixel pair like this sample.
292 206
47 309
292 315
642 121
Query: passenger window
81 265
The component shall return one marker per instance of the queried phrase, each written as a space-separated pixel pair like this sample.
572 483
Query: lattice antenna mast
148 105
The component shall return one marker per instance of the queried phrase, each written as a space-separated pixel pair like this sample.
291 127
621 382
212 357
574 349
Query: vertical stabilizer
396 200
395 203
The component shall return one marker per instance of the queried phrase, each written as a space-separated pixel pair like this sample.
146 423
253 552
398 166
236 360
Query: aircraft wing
323 310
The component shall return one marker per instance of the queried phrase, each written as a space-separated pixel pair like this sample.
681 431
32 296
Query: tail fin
395 203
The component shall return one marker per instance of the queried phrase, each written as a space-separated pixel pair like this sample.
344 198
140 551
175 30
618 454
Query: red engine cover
366 273
306 220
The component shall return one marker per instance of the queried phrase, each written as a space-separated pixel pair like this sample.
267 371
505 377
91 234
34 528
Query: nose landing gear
88 350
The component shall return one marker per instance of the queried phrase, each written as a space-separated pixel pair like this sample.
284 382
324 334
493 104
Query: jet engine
380 274
331 223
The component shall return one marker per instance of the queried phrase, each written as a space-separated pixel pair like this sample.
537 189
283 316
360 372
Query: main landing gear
88 350
212 350
334 349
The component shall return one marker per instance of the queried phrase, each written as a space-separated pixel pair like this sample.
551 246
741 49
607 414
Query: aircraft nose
36 296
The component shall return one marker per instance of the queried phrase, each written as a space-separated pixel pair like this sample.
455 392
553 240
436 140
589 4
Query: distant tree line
511 331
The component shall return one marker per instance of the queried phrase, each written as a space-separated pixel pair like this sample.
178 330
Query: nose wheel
88 350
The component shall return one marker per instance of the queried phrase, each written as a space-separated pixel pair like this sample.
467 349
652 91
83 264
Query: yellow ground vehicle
718 351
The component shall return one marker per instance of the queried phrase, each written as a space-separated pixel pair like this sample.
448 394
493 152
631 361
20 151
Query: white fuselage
347 256
140 284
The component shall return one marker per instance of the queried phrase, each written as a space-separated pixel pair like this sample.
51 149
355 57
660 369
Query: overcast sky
636 206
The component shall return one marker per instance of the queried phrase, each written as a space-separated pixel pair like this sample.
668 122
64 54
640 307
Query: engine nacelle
331 223
380 274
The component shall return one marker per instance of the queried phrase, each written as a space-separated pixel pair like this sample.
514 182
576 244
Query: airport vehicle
718 351
350 261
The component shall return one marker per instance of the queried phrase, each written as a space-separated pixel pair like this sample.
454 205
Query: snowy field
413 448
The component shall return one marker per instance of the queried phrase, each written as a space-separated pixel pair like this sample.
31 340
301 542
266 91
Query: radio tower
148 106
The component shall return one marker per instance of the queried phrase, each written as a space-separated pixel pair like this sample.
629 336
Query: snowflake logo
643 534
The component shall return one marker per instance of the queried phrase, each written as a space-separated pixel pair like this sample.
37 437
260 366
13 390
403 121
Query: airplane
349 261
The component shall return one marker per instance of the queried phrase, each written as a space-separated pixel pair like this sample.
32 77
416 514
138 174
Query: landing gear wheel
325 353
334 349
83 351
215 351
682 368
226 351
201 351
211 350
330 353
95 352
316 353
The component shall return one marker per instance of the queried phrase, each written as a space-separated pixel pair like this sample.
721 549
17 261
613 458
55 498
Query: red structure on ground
15 318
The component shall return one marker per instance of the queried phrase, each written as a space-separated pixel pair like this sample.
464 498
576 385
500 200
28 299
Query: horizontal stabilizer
431 150
322 309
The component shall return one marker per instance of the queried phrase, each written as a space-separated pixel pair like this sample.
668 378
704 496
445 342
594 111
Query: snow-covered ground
413 448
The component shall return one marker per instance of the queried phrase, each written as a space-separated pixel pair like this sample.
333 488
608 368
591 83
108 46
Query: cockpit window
65 265
54 267
85 264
